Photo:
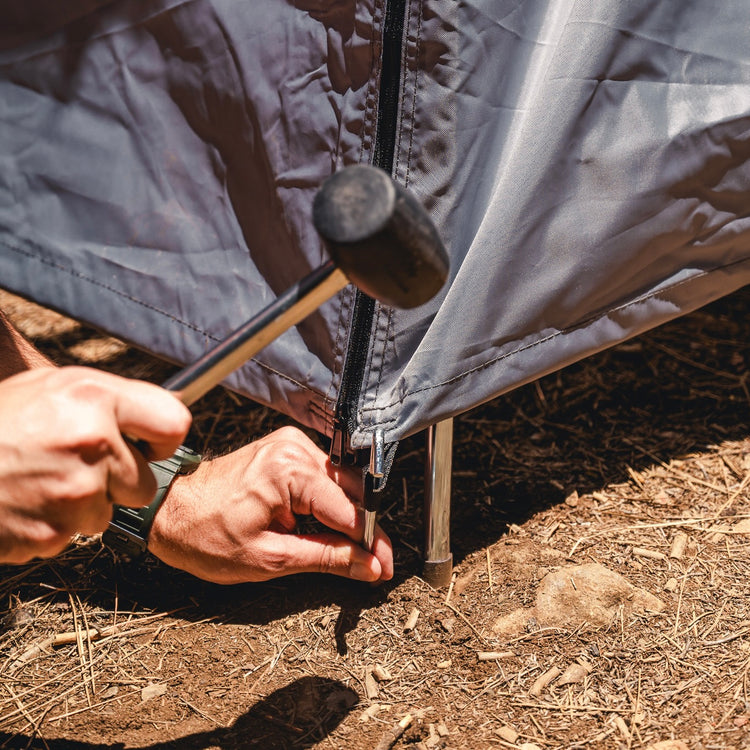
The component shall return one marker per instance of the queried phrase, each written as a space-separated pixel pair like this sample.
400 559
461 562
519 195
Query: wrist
130 528
180 516
170 517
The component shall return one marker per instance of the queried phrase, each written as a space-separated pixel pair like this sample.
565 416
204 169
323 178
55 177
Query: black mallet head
380 236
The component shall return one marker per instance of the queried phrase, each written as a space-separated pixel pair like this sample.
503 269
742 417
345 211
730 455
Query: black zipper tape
352 376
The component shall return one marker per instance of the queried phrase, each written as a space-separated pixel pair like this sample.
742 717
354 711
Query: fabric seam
583 323
82 277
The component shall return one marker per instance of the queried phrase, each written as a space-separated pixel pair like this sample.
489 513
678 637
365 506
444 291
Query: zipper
352 376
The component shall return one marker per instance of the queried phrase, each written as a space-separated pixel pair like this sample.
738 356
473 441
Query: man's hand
233 520
63 457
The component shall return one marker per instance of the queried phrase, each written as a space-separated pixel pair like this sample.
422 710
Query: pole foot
438 572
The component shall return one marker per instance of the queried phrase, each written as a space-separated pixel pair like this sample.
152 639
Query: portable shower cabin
586 163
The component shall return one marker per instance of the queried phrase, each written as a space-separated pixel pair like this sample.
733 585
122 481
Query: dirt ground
619 486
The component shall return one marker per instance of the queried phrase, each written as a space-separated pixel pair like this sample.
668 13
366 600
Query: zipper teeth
390 81
383 156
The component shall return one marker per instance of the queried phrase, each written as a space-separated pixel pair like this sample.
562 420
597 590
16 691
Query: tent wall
158 160
585 162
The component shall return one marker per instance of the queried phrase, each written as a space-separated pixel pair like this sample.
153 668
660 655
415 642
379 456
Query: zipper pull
341 451
336 451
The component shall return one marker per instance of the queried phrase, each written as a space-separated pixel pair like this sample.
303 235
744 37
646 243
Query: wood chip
371 712
390 738
493 655
541 682
411 623
622 727
635 477
460 584
649 553
677 551
371 686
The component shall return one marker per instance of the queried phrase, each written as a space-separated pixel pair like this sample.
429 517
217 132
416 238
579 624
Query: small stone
152 691
508 734
573 674
572 596
448 623
18 618
434 738
381 674
719 533
662 498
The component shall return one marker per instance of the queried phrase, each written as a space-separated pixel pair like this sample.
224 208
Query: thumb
325 553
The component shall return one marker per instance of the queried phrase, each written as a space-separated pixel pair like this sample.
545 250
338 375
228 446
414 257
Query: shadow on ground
294 717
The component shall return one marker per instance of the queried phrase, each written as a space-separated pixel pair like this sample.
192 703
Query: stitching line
584 323
418 46
404 82
380 324
77 274
369 117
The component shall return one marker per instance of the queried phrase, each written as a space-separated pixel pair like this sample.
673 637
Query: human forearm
16 353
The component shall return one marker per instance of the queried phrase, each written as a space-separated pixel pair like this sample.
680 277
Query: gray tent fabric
586 163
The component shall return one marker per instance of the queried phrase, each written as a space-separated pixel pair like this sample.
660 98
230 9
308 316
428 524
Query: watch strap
129 528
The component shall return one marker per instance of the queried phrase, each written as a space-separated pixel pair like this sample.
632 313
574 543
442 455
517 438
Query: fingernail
361 572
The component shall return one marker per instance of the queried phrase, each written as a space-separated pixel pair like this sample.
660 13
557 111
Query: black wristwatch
129 528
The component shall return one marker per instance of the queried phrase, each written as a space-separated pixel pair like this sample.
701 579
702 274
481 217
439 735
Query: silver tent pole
438 562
